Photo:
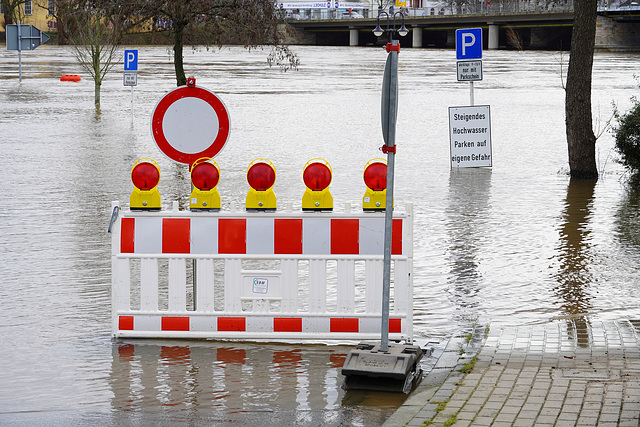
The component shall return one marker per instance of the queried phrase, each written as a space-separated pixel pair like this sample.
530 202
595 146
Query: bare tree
250 23
581 140
95 47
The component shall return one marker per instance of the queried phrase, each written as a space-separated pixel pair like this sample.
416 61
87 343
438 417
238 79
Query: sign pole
130 77
471 99
19 53
391 71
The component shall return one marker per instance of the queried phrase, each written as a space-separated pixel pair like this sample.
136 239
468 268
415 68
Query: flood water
517 243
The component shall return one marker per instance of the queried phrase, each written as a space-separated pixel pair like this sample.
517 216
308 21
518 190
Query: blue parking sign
131 60
469 43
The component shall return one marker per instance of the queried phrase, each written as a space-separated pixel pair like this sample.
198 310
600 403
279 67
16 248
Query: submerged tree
581 140
95 47
251 23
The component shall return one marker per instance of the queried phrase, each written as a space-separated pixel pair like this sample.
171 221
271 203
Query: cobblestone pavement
566 373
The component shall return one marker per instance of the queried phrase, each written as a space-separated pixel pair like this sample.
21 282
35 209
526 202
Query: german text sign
470 136
469 71
130 79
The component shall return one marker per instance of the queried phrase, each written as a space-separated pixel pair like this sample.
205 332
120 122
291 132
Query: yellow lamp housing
375 178
145 175
205 175
317 177
261 175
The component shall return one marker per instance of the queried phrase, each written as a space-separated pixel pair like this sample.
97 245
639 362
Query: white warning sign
470 136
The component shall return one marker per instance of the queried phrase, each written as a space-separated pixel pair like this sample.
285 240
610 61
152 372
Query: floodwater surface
518 243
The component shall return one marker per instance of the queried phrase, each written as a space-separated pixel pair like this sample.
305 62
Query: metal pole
388 212
19 53
471 99
131 104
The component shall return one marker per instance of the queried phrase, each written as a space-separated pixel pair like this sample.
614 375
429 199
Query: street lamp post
389 113
386 367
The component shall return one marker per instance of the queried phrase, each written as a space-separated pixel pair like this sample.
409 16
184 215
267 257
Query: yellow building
38 13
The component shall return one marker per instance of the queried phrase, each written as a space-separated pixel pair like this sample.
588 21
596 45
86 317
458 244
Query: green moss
468 367
451 421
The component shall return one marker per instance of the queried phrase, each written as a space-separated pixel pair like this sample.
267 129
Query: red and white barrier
243 275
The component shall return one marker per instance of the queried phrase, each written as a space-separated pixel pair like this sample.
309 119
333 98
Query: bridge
618 29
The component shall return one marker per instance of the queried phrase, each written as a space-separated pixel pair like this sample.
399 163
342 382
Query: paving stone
582 374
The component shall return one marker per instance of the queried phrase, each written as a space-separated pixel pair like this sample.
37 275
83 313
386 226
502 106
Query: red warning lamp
145 175
205 175
261 175
317 177
375 178
375 175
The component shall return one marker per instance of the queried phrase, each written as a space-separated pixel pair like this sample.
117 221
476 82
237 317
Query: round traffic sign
190 123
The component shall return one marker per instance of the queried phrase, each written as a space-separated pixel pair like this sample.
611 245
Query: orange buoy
70 78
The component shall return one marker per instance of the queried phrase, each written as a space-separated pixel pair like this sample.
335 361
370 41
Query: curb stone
439 384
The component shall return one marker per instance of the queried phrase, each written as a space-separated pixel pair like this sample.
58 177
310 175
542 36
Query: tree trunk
7 12
178 34
63 37
96 93
97 82
581 140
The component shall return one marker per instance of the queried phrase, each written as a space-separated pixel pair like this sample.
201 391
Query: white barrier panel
278 275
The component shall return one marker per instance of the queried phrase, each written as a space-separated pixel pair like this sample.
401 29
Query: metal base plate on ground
369 368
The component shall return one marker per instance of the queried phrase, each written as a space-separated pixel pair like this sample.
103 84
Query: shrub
627 135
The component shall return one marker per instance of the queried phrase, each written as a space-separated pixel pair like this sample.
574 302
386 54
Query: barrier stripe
291 324
175 323
308 236
344 236
232 324
127 242
232 236
344 325
254 324
287 236
395 326
175 235
396 237
125 323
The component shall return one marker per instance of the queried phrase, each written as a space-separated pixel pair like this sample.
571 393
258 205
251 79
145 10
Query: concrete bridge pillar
494 36
417 36
353 37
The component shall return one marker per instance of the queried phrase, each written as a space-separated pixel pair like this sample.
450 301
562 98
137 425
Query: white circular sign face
190 123
203 125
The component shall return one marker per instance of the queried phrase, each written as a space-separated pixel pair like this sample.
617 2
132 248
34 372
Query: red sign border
190 92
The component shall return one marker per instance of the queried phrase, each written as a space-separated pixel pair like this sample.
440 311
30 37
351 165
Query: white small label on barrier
260 286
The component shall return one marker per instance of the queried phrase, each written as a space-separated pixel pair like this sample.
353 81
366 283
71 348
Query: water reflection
626 219
216 381
574 259
467 210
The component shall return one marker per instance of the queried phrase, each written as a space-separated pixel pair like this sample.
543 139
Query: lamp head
403 31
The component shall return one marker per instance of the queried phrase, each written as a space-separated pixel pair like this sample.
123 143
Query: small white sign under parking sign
130 79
